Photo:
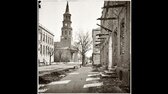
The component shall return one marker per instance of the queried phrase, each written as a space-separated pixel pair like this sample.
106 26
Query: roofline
40 25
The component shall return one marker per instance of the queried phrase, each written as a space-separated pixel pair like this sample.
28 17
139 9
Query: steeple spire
67 8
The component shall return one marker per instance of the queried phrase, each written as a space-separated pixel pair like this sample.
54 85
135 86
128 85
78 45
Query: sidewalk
56 67
73 83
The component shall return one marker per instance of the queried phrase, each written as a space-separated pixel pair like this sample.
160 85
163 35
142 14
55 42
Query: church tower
66 35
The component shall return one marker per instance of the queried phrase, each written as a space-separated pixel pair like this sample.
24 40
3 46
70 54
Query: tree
50 52
83 45
60 55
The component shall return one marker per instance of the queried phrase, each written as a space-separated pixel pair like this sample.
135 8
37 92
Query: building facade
96 46
64 51
45 46
115 44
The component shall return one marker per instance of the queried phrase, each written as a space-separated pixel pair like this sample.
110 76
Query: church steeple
66 35
67 8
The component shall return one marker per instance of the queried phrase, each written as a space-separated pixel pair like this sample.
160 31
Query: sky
84 14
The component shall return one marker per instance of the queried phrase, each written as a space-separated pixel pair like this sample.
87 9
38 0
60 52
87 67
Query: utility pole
39 6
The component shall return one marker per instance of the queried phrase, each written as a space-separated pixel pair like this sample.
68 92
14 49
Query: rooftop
40 25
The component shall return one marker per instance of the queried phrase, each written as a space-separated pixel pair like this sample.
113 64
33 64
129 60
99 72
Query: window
65 32
39 35
46 38
50 41
43 49
46 50
40 49
43 37
66 17
69 32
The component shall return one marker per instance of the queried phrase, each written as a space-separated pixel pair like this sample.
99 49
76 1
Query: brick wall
120 38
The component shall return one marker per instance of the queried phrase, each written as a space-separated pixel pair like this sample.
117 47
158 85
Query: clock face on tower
65 24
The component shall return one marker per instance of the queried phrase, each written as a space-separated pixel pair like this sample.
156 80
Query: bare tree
83 45
60 55
91 58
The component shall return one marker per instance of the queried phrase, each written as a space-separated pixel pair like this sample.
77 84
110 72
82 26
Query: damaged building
115 38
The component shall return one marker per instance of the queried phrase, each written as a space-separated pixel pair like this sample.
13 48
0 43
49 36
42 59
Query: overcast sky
84 14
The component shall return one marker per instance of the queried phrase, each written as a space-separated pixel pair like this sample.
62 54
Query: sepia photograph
84 46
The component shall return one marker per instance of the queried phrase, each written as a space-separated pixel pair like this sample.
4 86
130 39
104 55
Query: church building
64 51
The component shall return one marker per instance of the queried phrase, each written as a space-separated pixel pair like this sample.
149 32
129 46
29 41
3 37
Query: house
45 46
96 50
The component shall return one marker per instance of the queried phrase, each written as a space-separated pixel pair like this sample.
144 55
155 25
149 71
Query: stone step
109 72
103 75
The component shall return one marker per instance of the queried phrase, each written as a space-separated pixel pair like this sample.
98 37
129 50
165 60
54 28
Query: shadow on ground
54 76
110 85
